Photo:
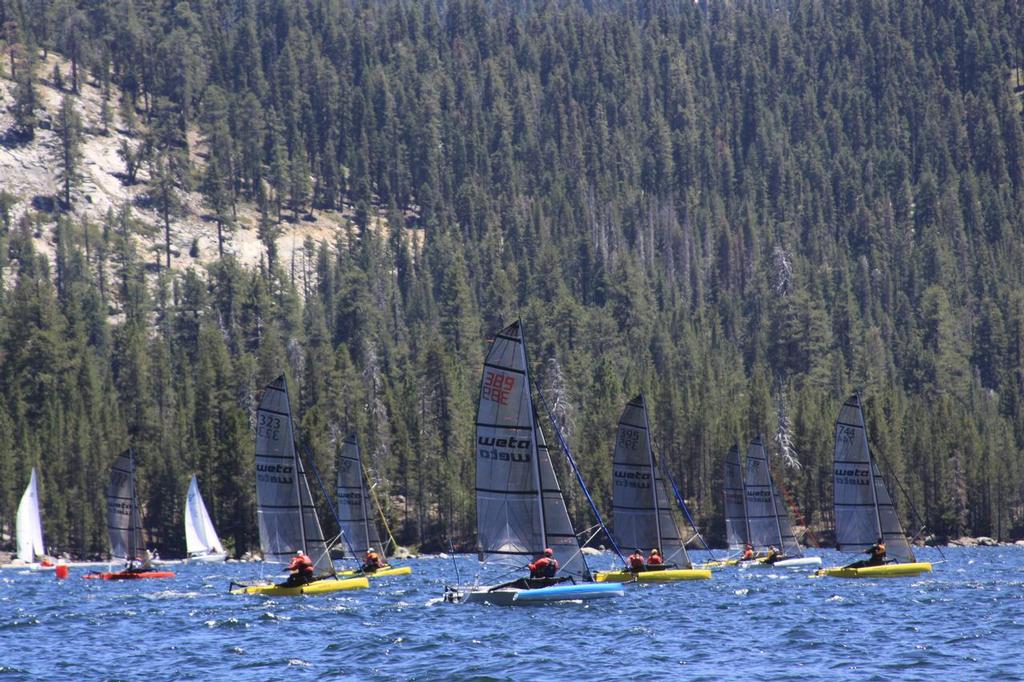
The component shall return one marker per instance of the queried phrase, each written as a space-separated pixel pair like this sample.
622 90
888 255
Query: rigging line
458 577
579 551
380 509
579 476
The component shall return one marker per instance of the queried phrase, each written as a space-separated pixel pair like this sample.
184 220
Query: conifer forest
745 210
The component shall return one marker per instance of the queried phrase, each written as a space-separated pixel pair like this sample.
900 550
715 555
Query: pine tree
69 128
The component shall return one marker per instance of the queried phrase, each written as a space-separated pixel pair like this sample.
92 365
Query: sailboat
767 518
201 541
641 508
355 510
519 505
288 521
29 526
124 523
864 511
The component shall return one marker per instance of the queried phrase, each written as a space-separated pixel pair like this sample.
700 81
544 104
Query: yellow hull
666 576
884 571
382 573
319 587
720 564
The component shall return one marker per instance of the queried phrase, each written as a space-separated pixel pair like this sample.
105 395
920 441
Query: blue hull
585 591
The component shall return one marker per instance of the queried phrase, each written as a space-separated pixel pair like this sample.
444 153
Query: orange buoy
61 570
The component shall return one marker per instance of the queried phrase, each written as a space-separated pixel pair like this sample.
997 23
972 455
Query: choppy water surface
964 619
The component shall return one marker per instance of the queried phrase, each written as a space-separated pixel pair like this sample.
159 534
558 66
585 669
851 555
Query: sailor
654 559
877 554
544 567
748 553
635 561
372 561
773 555
142 565
301 569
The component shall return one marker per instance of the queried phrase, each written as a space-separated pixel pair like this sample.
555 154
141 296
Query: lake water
963 621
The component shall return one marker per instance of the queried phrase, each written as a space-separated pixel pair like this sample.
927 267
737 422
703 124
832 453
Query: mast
775 508
135 505
362 497
534 427
654 474
871 468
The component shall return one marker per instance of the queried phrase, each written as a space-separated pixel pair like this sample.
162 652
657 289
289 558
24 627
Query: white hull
208 558
799 563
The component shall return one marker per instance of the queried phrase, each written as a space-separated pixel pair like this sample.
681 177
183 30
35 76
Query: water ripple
962 621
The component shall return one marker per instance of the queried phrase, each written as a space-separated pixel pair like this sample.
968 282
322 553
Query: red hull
125 575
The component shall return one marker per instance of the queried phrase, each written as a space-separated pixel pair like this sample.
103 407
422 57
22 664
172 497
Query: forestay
355 509
767 518
284 506
863 508
641 507
200 535
736 531
520 508
124 520
29 527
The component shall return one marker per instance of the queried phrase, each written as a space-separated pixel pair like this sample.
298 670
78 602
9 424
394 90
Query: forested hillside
745 210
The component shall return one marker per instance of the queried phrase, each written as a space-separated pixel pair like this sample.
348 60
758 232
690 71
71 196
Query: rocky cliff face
29 170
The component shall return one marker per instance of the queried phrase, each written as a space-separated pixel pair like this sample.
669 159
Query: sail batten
642 516
288 521
29 526
200 535
767 518
520 507
355 509
864 510
736 531
124 520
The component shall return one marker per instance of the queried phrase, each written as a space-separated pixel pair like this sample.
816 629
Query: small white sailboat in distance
201 539
29 526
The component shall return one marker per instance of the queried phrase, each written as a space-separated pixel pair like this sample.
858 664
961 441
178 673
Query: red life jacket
544 567
636 562
654 560
301 564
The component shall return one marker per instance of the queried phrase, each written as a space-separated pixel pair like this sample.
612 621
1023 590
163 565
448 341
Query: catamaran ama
642 516
864 511
358 525
520 508
288 521
124 525
768 524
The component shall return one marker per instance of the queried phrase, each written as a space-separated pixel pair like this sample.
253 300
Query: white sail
641 507
200 535
863 508
767 518
520 508
124 520
288 520
736 531
29 527
355 509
